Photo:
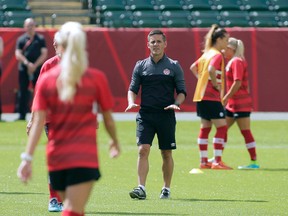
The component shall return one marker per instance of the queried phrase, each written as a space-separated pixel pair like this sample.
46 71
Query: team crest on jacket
166 71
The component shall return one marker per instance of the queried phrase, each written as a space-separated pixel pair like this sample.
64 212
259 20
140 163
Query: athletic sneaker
165 194
138 193
249 167
205 165
54 206
60 206
211 160
220 166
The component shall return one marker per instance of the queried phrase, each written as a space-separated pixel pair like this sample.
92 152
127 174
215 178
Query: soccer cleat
249 167
138 193
54 206
165 194
220 166
205 165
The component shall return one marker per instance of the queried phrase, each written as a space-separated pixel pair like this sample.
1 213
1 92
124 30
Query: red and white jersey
72 133
241 101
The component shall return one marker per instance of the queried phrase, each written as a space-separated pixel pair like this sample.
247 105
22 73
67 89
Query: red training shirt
241 101
72 133
50 63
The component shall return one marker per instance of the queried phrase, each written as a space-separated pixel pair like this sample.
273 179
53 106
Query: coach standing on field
159 77
31 52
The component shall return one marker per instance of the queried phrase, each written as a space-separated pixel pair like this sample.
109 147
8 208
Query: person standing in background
237 100
159 78
68 92
1 54
209 70
30 52
55 202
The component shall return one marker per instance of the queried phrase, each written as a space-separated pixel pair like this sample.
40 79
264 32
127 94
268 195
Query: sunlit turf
235 192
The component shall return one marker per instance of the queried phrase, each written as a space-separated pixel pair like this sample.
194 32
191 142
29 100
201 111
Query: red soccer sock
218 142
54 194
250 143
203 144
71 213
225 141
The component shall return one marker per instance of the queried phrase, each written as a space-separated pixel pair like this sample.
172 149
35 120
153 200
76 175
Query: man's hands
131 106
172 107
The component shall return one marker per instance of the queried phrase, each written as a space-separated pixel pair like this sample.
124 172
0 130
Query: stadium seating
283 19
177 18
16 18
117 19
10 5
226 5
280 5
256 5
263 19
147 19
197 5
170 13
191 13
234 18
14 12
168 4
1 18
134 5
205 18
109 5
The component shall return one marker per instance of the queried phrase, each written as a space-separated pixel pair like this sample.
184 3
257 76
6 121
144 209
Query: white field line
181 116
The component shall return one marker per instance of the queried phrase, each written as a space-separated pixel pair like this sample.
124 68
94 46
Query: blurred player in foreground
55 202
68 93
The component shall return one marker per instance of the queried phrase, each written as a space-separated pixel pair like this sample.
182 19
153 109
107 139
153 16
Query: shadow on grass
219 200
130 213
21 193
274 169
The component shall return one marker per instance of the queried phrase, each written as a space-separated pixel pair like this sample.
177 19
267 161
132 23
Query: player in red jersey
209 70
55 202
68 93
237 99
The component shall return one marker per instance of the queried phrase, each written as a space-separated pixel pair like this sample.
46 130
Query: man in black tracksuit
159 77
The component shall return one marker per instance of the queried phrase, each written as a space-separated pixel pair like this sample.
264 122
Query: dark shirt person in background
30 52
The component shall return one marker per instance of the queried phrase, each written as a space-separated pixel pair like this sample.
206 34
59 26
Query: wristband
26 157
25 62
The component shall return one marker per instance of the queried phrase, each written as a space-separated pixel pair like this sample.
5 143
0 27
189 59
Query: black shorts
161 123
237 115
210 110
63 178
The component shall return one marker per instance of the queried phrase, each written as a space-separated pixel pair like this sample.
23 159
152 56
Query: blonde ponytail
211 37
238 47
74 59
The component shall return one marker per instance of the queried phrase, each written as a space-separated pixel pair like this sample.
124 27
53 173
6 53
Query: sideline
180 116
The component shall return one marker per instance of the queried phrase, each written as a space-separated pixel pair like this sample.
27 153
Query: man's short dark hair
157 32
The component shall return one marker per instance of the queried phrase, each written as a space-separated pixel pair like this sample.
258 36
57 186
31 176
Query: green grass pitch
235 192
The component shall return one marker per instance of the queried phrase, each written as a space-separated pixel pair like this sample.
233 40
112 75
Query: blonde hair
74 59
238 47
211 37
